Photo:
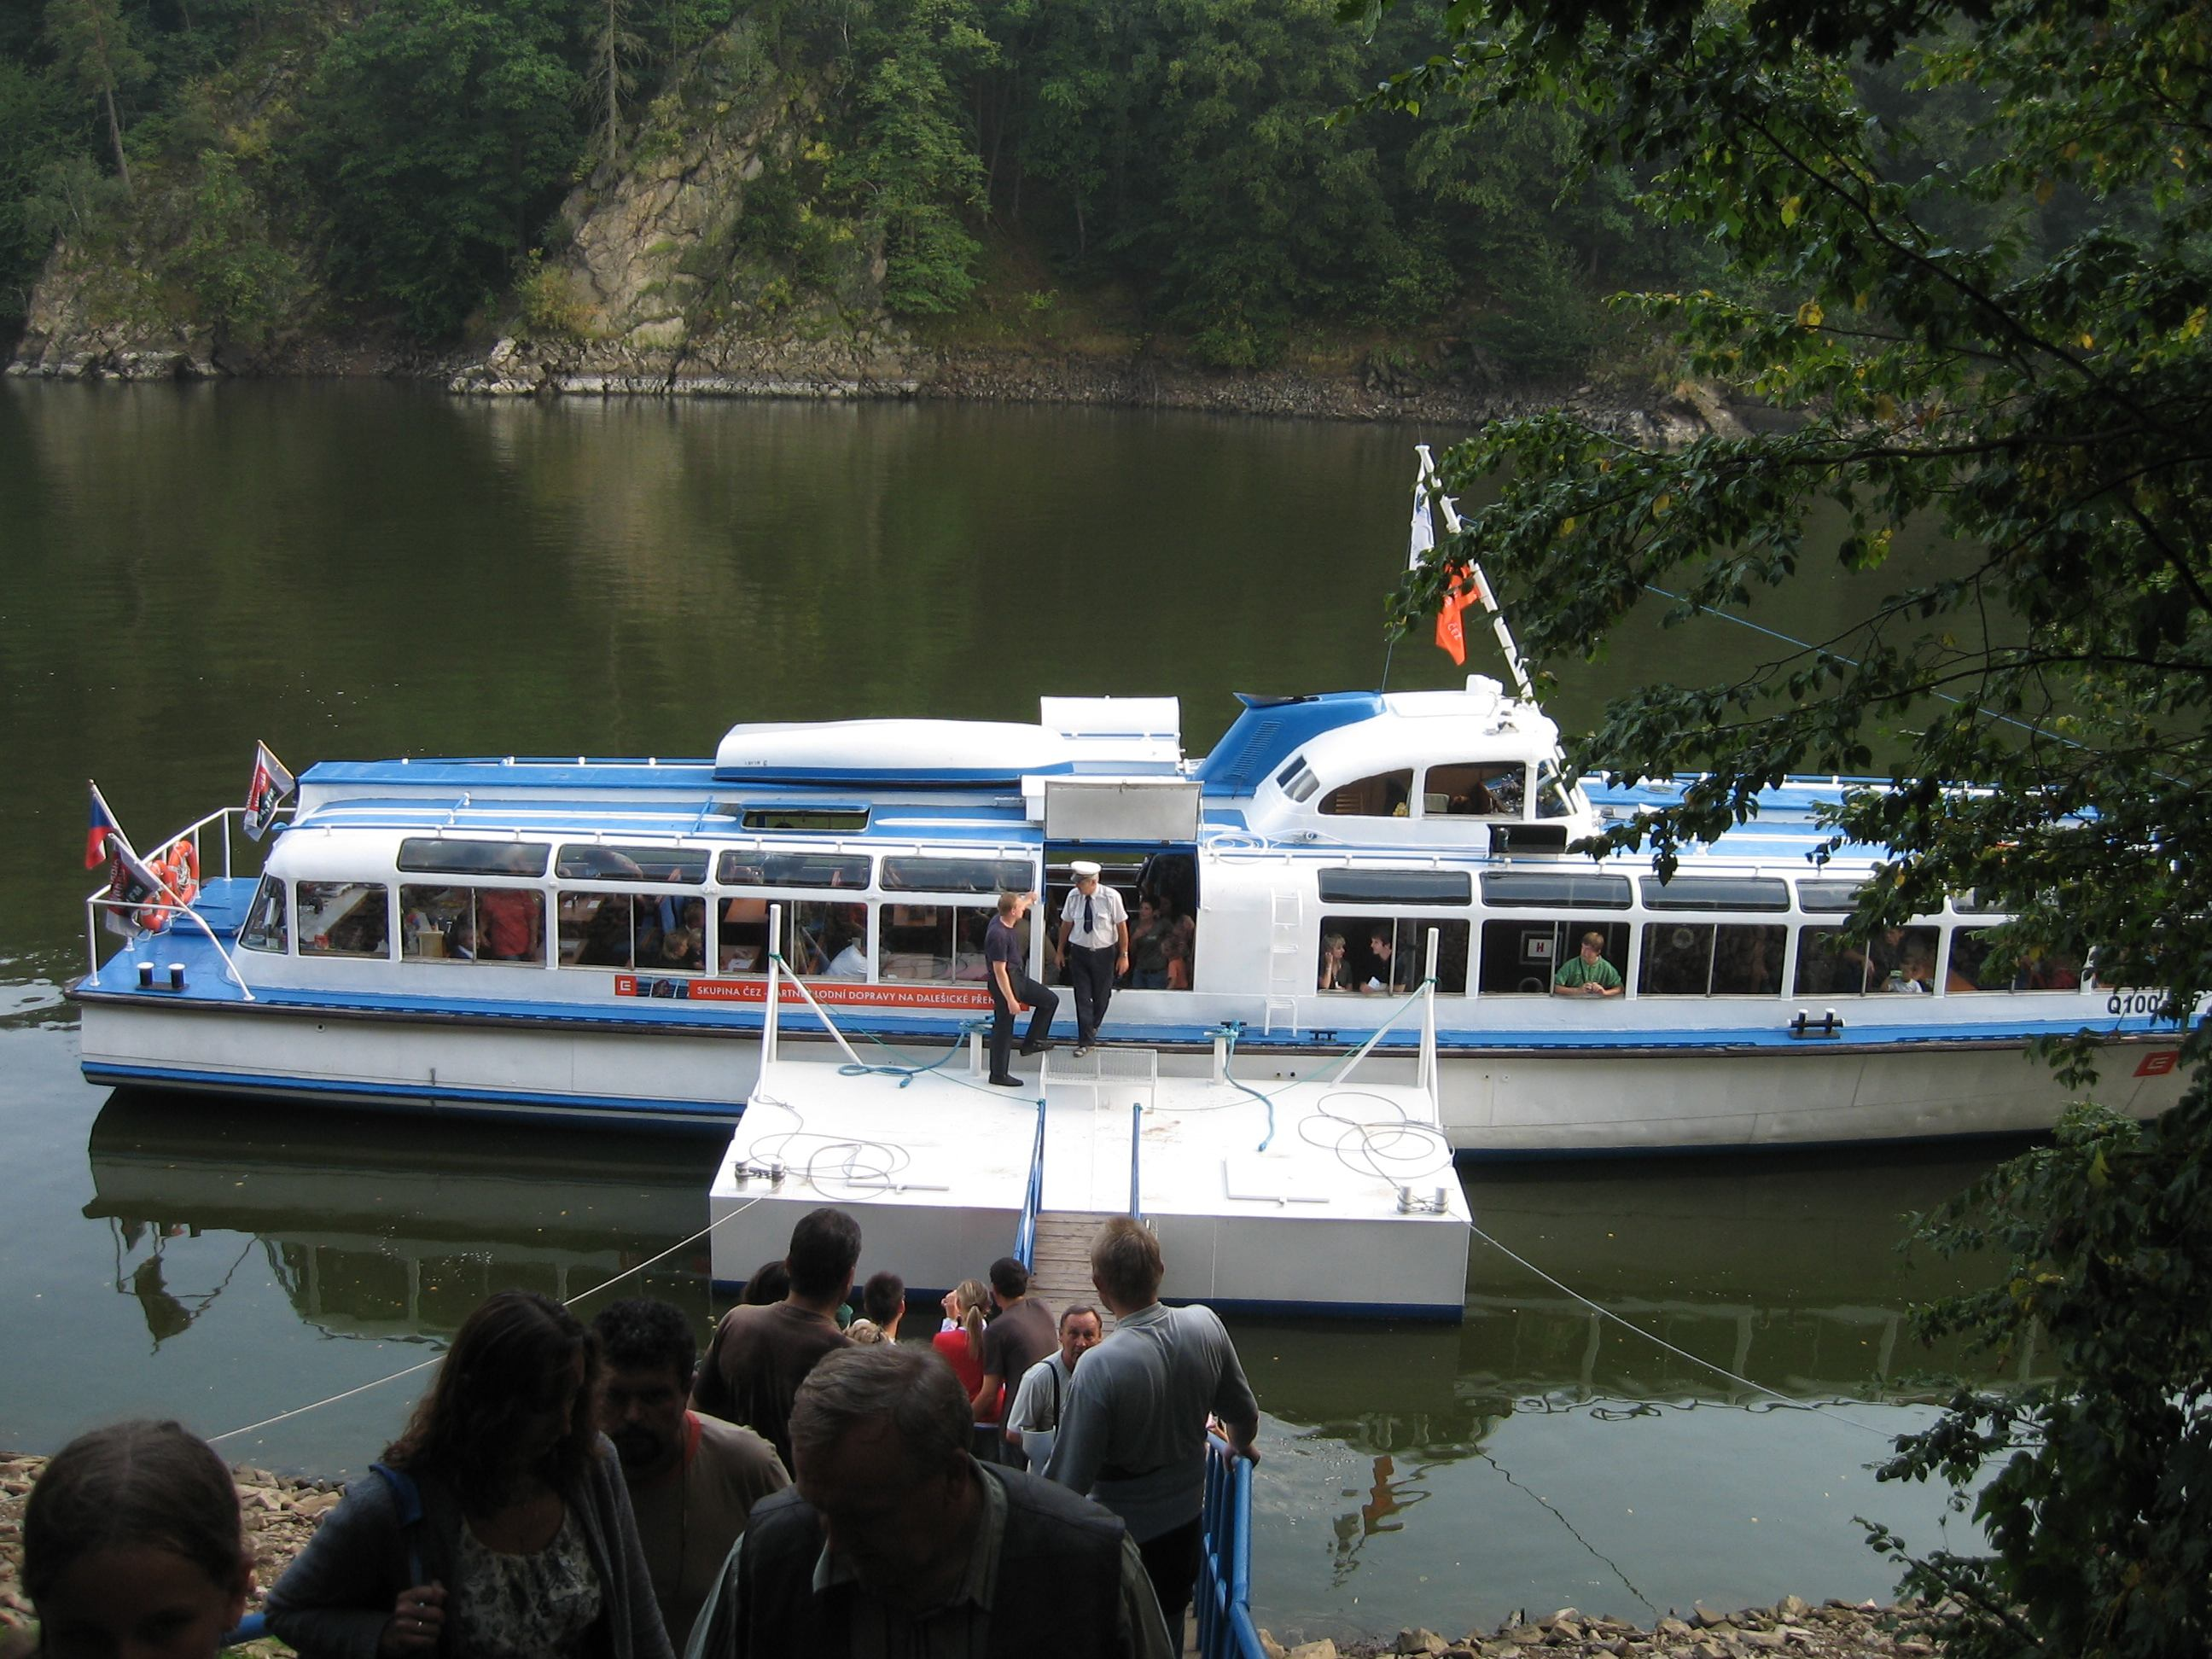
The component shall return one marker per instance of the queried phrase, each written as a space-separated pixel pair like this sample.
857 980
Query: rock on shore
282 1514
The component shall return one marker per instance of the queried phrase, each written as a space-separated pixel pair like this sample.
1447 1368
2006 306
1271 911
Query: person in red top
507 924
961 1342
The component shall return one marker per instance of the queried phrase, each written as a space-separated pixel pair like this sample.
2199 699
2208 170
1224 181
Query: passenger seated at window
851 960
679 948
2050 973
508 920
1384 971
1590 974
606 942
359 933
1332 963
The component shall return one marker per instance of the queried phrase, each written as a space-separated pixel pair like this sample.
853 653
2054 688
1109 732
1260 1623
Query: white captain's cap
1084 870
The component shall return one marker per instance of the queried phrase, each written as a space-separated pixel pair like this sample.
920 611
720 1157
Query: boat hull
1499 1101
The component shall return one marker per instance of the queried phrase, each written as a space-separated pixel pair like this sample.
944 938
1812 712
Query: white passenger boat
587 939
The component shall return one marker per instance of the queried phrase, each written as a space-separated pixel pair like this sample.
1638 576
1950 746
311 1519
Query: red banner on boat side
826 992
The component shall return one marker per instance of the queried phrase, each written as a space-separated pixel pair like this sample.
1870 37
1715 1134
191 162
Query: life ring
178 870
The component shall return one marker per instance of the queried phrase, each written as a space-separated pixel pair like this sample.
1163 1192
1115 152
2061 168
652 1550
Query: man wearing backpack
1034 1418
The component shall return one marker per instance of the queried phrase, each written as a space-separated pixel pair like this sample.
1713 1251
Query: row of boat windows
734 867
918 943
1524 956
1490 789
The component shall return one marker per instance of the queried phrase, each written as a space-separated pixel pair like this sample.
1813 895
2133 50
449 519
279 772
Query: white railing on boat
98 905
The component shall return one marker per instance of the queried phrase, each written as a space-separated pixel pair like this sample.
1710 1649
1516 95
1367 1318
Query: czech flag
103 826
269 789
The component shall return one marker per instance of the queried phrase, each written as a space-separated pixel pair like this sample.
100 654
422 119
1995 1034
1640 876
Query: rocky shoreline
282 1514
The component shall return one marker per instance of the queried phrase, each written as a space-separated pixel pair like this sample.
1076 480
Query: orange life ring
178 870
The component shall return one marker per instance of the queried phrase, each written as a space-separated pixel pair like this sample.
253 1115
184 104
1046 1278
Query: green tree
38 131
2039 390
437 135
92 41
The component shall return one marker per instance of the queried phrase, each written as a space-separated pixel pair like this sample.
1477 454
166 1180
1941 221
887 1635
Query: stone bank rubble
282 1515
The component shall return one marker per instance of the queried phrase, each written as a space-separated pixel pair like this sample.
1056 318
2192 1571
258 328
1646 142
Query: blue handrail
1032 1199
1136 1128
1224 1595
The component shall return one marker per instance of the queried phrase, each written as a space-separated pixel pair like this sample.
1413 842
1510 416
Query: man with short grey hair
895 1540
1133 1425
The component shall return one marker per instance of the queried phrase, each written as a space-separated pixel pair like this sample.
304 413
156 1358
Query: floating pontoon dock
1330 1194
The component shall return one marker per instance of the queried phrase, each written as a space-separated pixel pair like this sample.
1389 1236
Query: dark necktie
1088 924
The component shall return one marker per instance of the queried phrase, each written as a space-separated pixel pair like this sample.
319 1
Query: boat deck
946 1172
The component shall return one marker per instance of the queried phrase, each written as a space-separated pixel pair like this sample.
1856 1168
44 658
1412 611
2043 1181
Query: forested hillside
249 175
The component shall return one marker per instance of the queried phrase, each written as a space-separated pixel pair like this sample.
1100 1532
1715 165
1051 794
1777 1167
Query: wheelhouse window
1972 967
1696 959
439 856
472 924
939 944
344 919
1522 955
664 933
264 928
832 820
1378 954
1896 960
1385 795
1298 780
1483 789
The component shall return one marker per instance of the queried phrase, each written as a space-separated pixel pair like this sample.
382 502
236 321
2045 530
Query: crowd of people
1020 1483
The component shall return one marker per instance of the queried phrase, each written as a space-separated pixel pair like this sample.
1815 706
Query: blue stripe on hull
485 1103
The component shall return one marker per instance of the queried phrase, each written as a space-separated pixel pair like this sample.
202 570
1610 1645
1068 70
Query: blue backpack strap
407 1499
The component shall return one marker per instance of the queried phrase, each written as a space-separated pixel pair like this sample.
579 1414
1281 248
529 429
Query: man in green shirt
1590 974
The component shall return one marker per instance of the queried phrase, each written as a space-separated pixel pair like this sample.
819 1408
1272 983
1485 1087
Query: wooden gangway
1061 1275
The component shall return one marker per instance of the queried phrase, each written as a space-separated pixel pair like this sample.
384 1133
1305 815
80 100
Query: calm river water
369 570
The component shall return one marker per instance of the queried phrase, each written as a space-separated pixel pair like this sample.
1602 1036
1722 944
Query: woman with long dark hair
496 1526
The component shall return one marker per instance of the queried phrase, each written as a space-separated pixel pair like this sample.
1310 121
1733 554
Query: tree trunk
115 137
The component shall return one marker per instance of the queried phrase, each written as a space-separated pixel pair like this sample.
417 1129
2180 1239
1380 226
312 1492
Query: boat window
1352 886
939 944
1553 800
826 939
474 857
1715 893
1516 889
1970 968
584 862
632 930
1896 959
344 919
1298 780
1818 897
916 875
1384 795
1521 955
1696 959
1970 903
264 928
833 819
1484 789
1379 954
473 924
792 870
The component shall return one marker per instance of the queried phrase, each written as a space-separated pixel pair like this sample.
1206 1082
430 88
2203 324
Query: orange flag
1451 629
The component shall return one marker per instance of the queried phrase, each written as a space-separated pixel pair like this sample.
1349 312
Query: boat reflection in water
378 1231
1544 1455
1539 1455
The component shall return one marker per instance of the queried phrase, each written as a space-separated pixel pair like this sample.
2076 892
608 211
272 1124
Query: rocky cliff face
660 285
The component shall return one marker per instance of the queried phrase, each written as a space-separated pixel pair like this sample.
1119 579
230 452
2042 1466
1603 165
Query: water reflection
378 1233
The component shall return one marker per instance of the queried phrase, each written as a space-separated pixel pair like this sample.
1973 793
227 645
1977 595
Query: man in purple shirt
1005 963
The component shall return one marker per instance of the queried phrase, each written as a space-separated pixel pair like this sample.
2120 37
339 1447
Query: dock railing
1032 1199
1223 1597
1136 1133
